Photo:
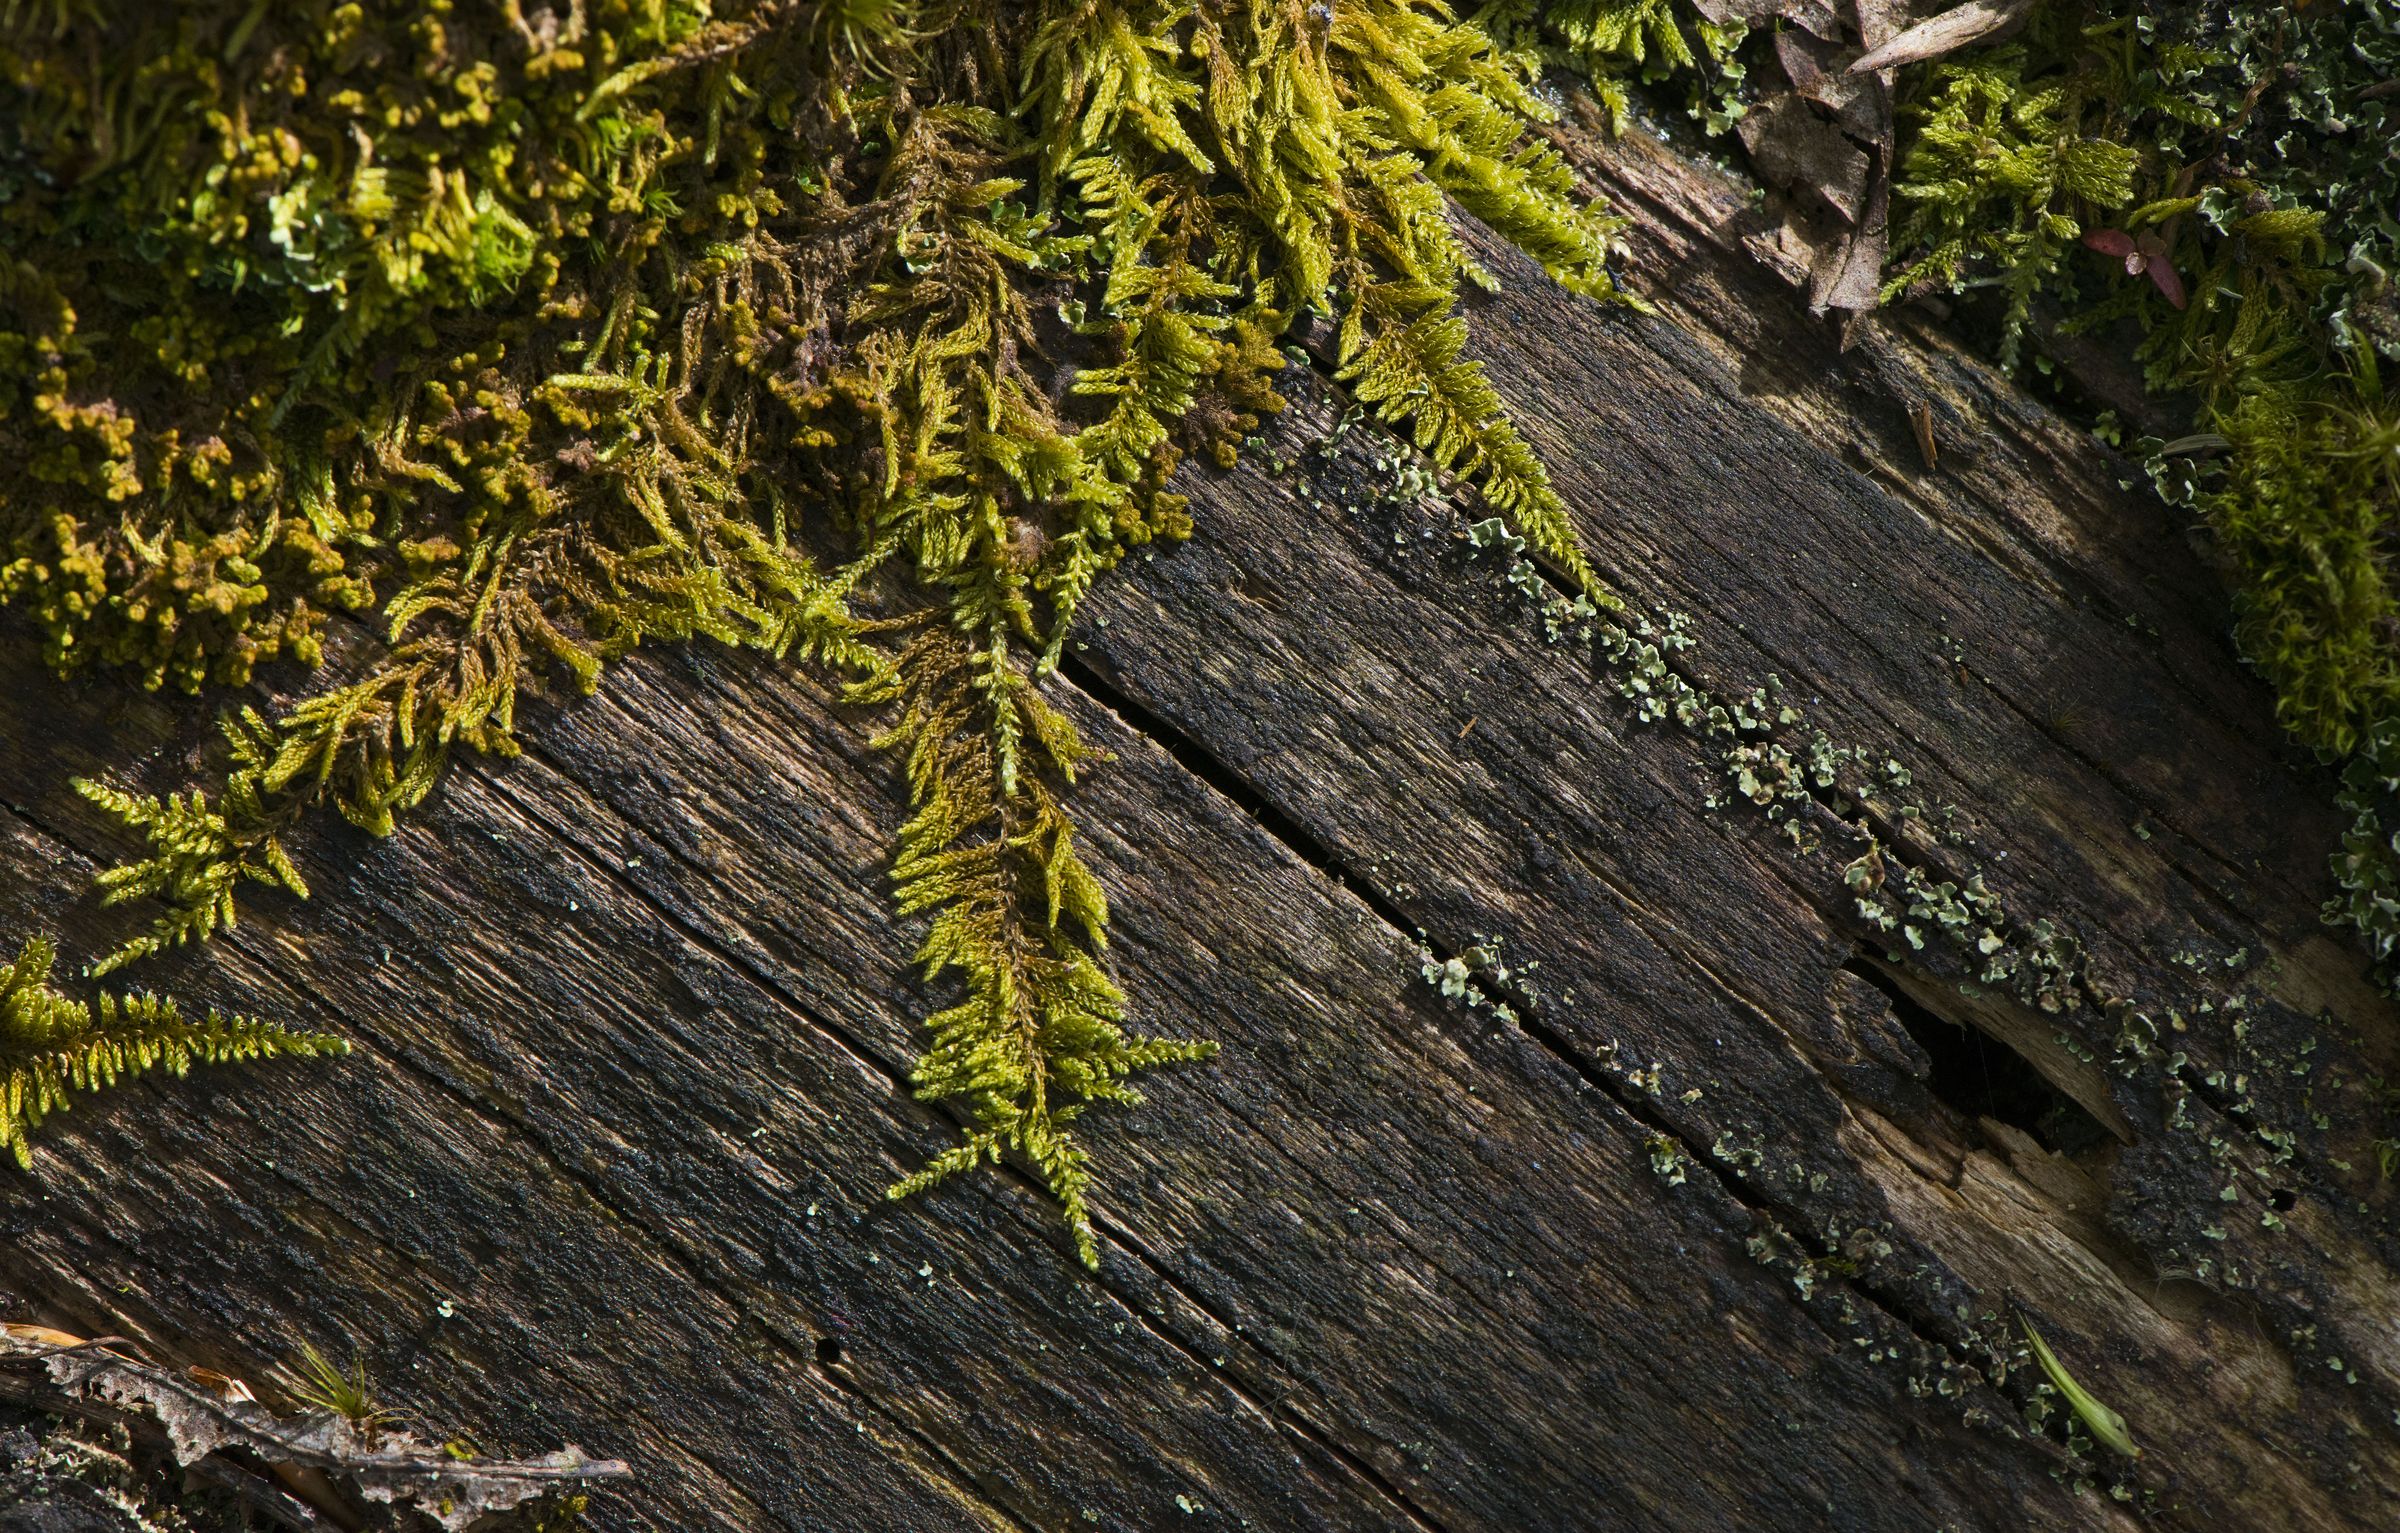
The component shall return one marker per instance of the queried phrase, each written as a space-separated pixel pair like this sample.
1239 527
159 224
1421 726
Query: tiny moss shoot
316 1382
2106 1426
52 1045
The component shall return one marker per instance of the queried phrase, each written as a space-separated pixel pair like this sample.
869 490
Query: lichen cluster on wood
2201 186
2213 183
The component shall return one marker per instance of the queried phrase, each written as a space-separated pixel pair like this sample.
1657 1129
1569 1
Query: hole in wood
1983 1078
829 1351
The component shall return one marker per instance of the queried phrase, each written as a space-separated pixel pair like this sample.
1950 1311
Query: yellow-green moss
863 333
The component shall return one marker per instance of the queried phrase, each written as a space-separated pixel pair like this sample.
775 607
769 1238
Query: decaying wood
1703 1238
333 1470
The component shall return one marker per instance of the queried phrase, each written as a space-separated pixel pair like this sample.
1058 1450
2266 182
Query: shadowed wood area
1721 1224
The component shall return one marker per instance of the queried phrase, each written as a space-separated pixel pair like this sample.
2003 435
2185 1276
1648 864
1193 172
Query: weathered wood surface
633 1022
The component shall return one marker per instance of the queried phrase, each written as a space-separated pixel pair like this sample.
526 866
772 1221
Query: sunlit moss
53 1046
861 333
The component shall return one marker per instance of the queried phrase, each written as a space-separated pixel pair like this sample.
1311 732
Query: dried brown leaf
1878 21
1850 277
1792 147
1815 16
1947 33
1819 71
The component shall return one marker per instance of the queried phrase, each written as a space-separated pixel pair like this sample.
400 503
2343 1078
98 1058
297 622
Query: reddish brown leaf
2114 242
2170 286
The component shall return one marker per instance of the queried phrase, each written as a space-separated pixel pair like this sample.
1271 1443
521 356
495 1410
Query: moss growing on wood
2214 180
52 1045
496 339
858 333
2209 182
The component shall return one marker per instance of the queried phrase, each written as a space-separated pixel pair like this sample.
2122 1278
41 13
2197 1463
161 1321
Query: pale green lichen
2209 179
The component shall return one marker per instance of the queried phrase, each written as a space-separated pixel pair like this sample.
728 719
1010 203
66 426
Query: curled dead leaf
40 1334
1817 71
1793 148
1942 34
1947 33
223 1385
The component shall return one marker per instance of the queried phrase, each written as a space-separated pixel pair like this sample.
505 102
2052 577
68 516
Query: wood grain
633 1023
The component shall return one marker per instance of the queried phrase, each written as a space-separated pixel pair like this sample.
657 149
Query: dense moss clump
473 343
859 332
2210 184
2215 181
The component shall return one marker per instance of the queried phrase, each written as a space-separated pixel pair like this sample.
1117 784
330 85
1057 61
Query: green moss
2212 180
2210 183
863 334
496 339
52 1045
1665 46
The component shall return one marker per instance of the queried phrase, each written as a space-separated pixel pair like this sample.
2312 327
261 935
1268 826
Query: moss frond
2001 178
2208 183
1015 912
52 1045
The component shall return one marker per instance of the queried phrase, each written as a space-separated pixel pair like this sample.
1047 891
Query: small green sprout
316 1383
2104 1424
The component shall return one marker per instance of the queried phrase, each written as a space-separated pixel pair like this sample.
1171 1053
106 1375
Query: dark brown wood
633 1022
